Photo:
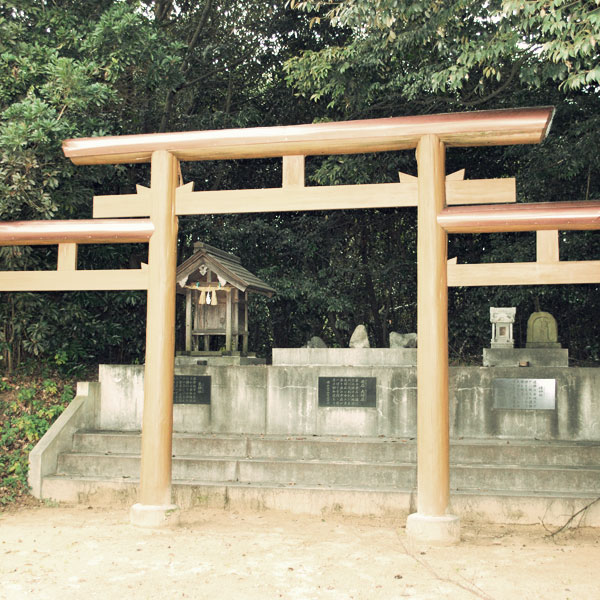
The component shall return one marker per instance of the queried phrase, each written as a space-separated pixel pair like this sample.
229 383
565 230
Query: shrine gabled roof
226 265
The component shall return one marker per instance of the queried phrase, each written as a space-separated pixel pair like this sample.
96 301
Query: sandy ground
74 552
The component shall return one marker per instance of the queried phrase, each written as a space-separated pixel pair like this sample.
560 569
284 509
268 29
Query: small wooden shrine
216 288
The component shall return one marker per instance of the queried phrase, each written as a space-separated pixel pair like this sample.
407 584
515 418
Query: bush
27 409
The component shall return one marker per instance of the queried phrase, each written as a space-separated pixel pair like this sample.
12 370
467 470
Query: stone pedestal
536 357
154 517
433 531
350 357
216 359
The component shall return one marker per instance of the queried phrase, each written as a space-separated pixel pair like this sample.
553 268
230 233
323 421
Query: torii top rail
432 191
483 128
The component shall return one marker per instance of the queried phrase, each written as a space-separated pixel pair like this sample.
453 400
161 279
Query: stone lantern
502 320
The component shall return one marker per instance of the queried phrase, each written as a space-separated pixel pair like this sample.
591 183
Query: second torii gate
431 192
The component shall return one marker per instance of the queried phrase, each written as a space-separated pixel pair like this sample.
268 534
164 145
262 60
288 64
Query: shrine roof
226 265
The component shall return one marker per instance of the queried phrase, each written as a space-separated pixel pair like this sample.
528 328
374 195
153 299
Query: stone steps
339 473
491 480
340 448
368 463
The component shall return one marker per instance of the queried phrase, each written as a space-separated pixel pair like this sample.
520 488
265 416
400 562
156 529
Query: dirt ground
76 552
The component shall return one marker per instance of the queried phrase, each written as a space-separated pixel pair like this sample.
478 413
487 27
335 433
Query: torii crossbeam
431 191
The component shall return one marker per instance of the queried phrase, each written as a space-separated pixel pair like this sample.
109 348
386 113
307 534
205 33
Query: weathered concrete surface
346 421
481 507
346 448
292 402
576 417
82 413
121 396
352 357
491 479
366 474
184 444
238 399
284 400
357 463
536 357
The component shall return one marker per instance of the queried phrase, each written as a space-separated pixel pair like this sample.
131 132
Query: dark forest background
72 68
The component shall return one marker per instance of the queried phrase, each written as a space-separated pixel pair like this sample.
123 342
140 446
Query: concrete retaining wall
576 417
284 400
82 413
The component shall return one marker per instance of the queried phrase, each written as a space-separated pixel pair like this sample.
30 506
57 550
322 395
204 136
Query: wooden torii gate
432 192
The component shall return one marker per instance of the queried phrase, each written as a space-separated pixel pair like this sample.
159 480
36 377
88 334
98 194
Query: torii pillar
155 507
432 523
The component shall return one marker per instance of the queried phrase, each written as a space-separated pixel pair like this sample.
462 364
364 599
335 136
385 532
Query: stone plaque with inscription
537 394
191 389
348 392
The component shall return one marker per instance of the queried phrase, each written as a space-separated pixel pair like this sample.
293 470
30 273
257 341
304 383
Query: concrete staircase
491 480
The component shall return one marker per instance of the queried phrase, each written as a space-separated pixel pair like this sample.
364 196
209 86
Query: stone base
536 357
433 531
351 357
216 359
149 515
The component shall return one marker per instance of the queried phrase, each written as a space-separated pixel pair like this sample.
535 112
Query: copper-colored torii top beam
539 216
81 231
481 128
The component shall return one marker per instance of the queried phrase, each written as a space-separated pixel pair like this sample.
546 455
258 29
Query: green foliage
49 386
54 84
431 47
27 409
26 394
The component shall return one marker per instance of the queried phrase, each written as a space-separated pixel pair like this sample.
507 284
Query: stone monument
542 331
360 338
403 340
316 342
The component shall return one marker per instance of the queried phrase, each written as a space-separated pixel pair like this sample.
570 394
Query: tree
70 69
413 57
462 46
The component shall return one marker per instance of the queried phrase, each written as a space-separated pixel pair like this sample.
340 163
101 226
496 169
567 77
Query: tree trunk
370 291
